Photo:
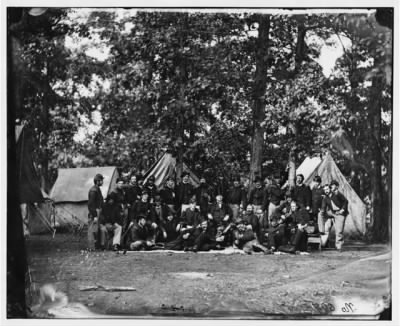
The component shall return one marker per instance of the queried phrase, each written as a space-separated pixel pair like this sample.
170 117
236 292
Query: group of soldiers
269 217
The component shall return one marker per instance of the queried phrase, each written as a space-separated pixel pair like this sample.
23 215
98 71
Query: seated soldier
111 221
186 238
244 238
203 239
251 219
159 213
191 216
224 236
166 221
189 222
284 208
275 235
263 224
219 214
300 219
140 237
141 207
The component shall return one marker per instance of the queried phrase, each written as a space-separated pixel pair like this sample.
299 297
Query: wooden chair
314 239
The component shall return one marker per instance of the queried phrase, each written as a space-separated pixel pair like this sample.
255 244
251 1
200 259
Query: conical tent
308 166
355 225
166 167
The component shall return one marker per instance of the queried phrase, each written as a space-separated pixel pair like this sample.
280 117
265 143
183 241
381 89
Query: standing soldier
221 187
302 193
258 197
111 221
203 196
132 192
317 193
168 195
337 212
184 192
151 188
274 193
236 198
95 204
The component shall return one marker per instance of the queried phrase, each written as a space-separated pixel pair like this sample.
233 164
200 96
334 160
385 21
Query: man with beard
111 222
220 186
119 197
140 236
203 239
317 193
132 192
258 197
274 194
219 214
336 210
95 204
141 208
159 214
168 195
275 234
187 226
151 188
184 192
236 198
203 196
191 216
284 208
245 239
302 193
300 219
250 219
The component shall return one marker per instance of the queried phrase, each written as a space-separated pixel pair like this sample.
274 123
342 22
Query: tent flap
166 167
28 180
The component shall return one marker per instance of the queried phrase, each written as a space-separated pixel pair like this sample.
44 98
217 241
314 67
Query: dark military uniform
95 204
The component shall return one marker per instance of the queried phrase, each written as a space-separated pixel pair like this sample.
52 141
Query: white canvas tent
308 166
166 167
70 192
327 169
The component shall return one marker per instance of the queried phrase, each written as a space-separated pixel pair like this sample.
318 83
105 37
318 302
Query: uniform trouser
235 211
253 245
115 228
204 242
338 221
184 207
180 243
321 222
255 209
276 240
271 209
299 240
93 228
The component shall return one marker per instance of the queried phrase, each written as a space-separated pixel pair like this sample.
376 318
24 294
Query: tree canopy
227 91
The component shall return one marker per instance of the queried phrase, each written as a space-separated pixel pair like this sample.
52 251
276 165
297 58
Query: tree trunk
379 216
16 254
292 170
260 86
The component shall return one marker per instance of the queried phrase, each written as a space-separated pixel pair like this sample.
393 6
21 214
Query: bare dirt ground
354 283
